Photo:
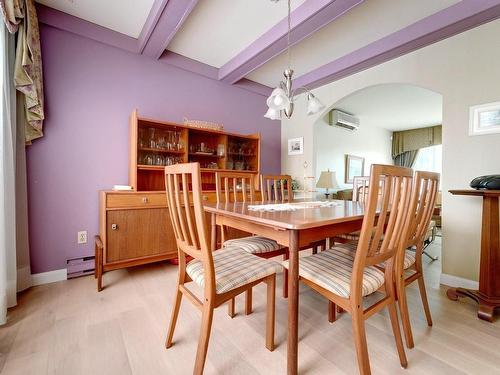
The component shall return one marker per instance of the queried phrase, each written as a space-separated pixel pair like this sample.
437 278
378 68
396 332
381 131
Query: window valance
415 139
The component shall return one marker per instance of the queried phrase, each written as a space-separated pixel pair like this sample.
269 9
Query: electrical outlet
82 237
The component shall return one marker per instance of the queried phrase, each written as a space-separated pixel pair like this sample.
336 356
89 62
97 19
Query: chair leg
270 314
173 318
230 307
248 301
423 295
285 277
331 312
358 330
315 249
397 334
206 326
340 310
405 315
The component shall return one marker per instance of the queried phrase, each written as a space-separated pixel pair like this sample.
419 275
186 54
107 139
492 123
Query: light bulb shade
314 105
278 99
273 114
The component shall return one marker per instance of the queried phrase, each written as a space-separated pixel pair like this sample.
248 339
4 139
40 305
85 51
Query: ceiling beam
308 18
168 21
151 22
66 22
453 20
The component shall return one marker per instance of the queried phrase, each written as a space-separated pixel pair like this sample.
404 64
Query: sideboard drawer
136 200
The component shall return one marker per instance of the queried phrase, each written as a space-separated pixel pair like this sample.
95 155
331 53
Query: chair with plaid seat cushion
345 275
222 274
233 268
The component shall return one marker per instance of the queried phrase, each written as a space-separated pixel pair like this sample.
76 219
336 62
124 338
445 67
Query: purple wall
90 91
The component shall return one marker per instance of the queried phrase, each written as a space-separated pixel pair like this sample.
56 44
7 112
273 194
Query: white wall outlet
82 237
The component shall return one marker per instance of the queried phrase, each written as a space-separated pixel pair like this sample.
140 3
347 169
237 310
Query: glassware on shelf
152 138
230 164
239 165
221 150
159 160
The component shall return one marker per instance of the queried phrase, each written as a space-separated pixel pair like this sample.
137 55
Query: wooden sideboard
134 226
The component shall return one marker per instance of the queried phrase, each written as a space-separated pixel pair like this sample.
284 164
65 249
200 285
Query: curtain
414 139
7 176
20 16
406 159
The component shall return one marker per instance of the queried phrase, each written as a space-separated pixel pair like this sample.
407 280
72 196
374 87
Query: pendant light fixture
281 99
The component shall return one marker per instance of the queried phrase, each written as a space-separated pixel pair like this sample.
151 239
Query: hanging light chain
288 35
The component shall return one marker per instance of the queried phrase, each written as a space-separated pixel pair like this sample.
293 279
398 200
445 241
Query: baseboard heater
82 266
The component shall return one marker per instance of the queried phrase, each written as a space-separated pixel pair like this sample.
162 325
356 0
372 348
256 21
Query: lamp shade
314 105
327 180
278 99
273 114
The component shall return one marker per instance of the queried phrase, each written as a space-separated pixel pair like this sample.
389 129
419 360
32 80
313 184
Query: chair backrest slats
423 200
386 208
189 221
276 188
235 181
360 188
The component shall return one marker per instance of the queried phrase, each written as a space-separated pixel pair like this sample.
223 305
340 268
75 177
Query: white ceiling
394 106
360 26
125 16
217 30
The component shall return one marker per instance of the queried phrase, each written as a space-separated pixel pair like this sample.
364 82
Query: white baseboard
49 277
455 282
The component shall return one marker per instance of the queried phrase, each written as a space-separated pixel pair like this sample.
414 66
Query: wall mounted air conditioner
343 120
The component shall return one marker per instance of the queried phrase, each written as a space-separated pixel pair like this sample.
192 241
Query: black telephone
491 182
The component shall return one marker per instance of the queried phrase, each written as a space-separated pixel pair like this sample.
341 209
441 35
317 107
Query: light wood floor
68 328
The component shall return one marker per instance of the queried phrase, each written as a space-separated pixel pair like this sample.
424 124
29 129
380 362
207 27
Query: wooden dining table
293 229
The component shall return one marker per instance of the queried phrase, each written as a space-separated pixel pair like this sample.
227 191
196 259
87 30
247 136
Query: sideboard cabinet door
138 233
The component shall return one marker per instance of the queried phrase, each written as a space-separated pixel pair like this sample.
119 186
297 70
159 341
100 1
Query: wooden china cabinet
134 225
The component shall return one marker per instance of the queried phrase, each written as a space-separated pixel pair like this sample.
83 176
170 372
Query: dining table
293 226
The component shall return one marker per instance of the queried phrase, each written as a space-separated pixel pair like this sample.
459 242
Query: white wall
331 144
465 69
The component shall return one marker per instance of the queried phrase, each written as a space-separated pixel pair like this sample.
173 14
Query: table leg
293 302
213 232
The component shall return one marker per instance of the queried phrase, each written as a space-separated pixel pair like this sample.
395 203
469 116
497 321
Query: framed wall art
296 146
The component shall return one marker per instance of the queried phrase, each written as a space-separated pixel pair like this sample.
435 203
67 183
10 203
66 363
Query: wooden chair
276 188
223 274
345 276
360 188
239 187
273 188
422 202
359 194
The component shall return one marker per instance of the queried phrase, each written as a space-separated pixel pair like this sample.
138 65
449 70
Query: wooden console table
488 295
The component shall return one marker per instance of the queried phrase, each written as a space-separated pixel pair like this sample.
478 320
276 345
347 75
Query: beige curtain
415 139
20 16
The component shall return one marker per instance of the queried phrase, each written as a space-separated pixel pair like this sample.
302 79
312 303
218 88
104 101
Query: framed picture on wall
354 166
484 119
296 146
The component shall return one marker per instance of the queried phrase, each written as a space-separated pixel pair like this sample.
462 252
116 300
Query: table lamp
327 180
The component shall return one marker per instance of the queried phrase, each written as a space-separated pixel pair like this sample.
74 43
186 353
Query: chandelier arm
303 88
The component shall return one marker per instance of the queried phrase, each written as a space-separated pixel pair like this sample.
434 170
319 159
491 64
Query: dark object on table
491 182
